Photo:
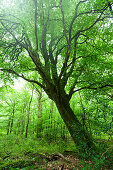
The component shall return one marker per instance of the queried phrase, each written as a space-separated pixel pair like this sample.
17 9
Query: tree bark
8 126
78 133
22 118
39 123
12 119
28 115
84 113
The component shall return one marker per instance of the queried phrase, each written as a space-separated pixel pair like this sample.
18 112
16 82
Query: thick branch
39 66
22 76
53 64
74 83
64 67
68 74
44 44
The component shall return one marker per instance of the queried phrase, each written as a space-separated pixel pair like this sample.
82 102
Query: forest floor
28 154
44 161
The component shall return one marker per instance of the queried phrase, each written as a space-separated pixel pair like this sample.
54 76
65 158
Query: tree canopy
66 41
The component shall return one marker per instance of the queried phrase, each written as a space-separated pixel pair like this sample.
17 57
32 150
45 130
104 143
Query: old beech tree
63 46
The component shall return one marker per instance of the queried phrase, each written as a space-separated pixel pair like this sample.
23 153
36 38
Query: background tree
65 46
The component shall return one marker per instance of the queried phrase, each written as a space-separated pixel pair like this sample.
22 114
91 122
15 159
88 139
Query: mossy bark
79 134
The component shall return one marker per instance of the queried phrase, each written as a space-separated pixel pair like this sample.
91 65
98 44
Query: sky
19 83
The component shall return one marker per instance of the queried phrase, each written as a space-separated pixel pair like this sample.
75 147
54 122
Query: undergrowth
14 151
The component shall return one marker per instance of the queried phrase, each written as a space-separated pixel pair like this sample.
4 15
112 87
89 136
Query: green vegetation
62 115
47 134
18 152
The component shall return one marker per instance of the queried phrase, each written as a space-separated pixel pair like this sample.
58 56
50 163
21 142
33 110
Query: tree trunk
39 124
19 127
12 119
28 115
8 126
22 118
78 133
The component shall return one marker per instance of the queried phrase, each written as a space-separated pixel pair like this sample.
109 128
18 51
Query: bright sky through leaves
8 3
19 84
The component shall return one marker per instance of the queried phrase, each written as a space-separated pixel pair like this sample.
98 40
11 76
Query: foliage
61 48
18 152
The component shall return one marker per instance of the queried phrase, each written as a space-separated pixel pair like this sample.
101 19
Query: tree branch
63 21
22 76
59 39
58 52
98 19
22 45
52 64
64 67
44 44
74 83
93 88
89 12
68 74
74 18
36 35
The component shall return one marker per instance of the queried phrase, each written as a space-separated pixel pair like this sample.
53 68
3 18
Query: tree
56 45
39 124
28 115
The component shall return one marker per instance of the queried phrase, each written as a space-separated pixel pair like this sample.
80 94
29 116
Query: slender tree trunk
28 115
39 124
12 119
63 134
84 113
50 125
89 126
19 127
8 126
51 115
22 120
33 123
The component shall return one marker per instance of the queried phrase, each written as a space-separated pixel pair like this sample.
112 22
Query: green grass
18 145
